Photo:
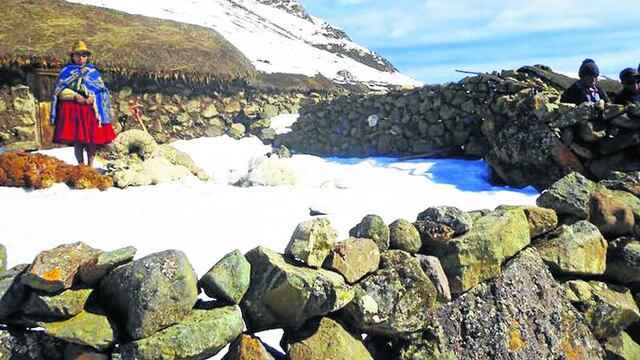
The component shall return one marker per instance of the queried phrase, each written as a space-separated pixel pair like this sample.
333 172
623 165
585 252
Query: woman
585 89
81 109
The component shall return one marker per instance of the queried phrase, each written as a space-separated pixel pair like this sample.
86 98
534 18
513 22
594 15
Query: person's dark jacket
626 97
576 94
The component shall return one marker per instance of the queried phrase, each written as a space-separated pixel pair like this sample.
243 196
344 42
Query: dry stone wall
18 118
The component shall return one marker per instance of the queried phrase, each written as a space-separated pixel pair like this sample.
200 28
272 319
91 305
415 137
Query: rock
622 347
477 255
577 249
92 272
149 172
179 158
247 347
29 345
448 215
312 241
372 227
623 260
570 195
269 111
3 259
78 352
266 134
623 181
232 107
269 172
541 220
56 269
608 309
433 234
396 300
354 258
12 291
612 217
433 268
202 334
236 131
64 305
228 279
284 295
151 293
210 111
404 236
523 314
90 328
325 339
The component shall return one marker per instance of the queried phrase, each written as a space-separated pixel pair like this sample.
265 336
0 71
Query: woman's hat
589 68
629 75
79 47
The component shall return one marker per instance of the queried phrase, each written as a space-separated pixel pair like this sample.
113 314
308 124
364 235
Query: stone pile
18 118
556 281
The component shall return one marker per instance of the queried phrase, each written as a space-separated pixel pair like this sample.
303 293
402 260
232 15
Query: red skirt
77 123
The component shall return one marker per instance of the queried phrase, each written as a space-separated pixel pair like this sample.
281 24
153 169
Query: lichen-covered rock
541 220
608 309
269 172
451 216
29 345
202 334
56 269
354 258
64 305
79 352
90 328
627 181
623 260
611 216
432 234
395 300
478 255
325 339
177 157
404 236
228 279
285 295
236 131
92 272
570 195
151 293
372 227
12 290
312 241
3 259
622 347
577 249
433 268
247 347
523 314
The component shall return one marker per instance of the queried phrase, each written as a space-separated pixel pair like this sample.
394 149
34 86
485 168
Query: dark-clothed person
585 89
630 94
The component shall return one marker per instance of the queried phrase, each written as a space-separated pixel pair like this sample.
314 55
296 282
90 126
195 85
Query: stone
92 272
354 258
151 293
228 279
64 305
404 236
79 352
622 347
56 269
613 218
125 92
617 180
620 142
433 268
570 195
312 241
451 216
247 347
282 294
541 220
394 301
626 122
260 124
608 309
3 259
236 131
29 345
577 249
372 227
325 339
433 234
623 260
269 111
210 111
232 107
477 255
192 106
268 172
12 290
89 328
202 334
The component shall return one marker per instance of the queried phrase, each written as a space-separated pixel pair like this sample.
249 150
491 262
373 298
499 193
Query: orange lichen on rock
35 171
515 337
52 275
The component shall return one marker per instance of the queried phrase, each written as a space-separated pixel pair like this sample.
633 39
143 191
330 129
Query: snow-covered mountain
278 36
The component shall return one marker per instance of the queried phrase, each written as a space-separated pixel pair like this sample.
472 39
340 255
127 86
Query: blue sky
429 39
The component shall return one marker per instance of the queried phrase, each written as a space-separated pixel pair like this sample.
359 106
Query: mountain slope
277 36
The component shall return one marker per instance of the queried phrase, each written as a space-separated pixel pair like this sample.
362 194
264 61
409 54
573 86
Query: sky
429 39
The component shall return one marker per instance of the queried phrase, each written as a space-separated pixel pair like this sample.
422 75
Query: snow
207 220
271 38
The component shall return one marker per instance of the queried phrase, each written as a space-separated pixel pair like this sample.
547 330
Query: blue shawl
85 81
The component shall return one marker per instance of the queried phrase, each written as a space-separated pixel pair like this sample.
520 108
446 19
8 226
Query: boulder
236 131
394 301
622 347
12 291
451 216
312 241
64 305
354 258
541 220
79 352
570 195
247 347
228 279
200 335
56 269
577 249
89 328
282 294
623 181
151 293
433 268
612 217
608 309
28 345
433 235
623 260
372 227
210 111
269 111
323 339
404 236
92 272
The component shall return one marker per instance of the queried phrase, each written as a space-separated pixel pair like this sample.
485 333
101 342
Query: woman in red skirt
81 109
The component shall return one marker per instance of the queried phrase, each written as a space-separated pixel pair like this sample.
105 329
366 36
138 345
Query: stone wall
18 118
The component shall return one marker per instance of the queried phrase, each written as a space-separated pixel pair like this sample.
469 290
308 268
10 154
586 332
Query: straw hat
79 46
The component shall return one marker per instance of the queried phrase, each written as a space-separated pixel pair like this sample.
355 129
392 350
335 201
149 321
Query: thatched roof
40 32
